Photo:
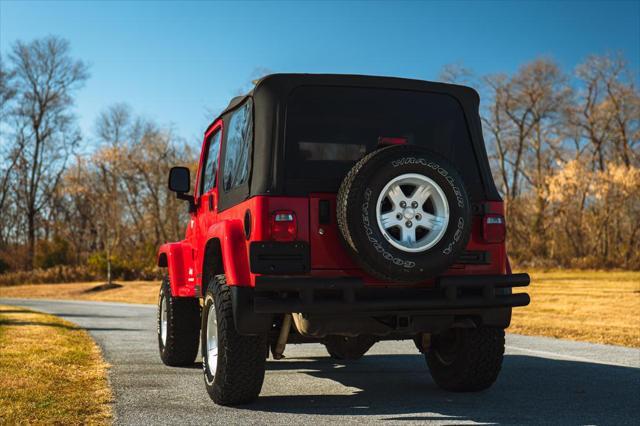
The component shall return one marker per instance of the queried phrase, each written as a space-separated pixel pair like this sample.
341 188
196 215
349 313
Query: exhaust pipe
282 338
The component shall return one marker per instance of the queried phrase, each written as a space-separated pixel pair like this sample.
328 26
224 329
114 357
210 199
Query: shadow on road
529 390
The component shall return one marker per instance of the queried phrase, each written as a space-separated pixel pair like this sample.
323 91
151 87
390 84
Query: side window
238 143
211 163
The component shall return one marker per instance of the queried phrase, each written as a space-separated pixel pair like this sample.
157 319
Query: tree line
565 155
563 147
82 208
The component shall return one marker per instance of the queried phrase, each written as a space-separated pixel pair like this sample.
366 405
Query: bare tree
46 76
7 89
457 74
8 153
113 124
132 212
525 125
607 111
544 92
496 125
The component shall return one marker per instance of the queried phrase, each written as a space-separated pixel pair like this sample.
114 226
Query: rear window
329 128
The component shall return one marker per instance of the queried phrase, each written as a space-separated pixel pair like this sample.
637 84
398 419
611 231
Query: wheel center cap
408 213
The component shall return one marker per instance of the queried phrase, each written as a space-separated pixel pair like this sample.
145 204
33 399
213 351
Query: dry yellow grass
130 292
593 306
51 372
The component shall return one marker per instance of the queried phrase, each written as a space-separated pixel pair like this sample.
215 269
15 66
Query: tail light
284 226
386 141
493 228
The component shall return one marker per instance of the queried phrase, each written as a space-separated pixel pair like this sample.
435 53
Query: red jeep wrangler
343 210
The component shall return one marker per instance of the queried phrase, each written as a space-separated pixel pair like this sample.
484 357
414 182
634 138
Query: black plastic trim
474 257
324 212
270 257
246 320
247 224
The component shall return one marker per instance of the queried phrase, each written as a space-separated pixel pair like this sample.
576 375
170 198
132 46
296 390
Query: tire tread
241 359
477 365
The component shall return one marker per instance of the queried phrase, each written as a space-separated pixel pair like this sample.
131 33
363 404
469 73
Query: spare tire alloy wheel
416 222
404 214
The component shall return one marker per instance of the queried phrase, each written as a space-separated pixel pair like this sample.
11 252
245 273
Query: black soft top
287 82
270 96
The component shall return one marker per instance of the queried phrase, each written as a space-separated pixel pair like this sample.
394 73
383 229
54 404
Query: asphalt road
543 381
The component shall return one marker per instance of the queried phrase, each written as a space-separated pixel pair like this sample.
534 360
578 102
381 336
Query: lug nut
398 216
418 216
409 224
403 204
414 204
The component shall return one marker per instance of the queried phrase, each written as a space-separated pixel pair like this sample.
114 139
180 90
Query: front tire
466 360
178 327
233 364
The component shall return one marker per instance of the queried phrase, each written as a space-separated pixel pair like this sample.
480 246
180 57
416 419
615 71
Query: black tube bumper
313 295
452 295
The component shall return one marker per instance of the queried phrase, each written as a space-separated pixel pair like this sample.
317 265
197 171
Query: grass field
594 306
130 292
51 372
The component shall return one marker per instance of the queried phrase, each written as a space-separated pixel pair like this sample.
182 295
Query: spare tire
404 213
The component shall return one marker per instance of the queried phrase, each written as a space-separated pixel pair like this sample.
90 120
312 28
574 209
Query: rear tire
466 359
348 348
178 327
234 368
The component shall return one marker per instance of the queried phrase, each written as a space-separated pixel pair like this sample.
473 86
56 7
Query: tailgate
327 250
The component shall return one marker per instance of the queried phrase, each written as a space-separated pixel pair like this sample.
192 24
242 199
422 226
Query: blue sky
180 62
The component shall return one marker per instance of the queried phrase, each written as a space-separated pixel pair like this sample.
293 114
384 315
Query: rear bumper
453 295
312 295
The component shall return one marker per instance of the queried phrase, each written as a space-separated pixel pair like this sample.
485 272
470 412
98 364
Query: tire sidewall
367 237
167 295
208 377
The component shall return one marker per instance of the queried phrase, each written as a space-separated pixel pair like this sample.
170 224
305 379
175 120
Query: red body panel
329 258
178 261
235 256
327 251
235 252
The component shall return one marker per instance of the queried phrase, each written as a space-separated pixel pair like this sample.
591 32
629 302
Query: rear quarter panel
179 262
